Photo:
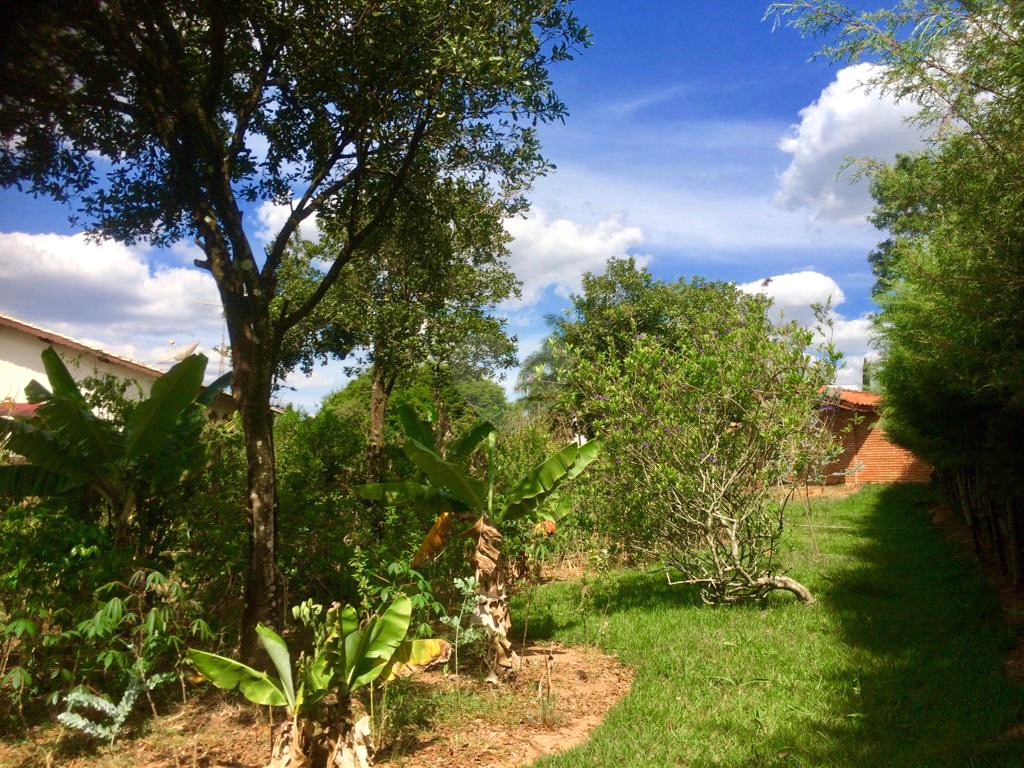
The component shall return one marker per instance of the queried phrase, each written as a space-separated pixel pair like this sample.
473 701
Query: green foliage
69 449
453 488
404 580
146 117
56 636
141 627
453 493
706 410
541 379
464 400
486 398
462 635
123 520
950 272
426 286
319 458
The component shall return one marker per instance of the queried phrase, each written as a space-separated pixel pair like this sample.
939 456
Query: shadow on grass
578 608
923 681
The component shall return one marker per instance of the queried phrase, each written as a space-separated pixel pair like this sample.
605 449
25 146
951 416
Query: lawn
898 664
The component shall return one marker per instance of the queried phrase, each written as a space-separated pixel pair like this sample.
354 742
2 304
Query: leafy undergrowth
898 664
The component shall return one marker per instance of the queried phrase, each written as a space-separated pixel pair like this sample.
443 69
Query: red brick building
868 456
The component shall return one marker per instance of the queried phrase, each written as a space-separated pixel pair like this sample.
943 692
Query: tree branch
355 239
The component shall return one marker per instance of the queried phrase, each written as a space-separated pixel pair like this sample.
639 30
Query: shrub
707 428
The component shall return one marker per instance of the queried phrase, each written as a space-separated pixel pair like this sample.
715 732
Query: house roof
57 339
852 399
17 410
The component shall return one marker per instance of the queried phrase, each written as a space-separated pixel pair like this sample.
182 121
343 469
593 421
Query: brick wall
868 456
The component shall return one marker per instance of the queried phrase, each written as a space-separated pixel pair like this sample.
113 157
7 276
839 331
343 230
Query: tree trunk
790 585
264 599
299 743
380 392
439 380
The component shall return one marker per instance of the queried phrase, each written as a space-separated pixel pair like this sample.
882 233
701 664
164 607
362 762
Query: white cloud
272 217
792 296
107 294
693 216
111 296
848 120
103 285
559 252
637 103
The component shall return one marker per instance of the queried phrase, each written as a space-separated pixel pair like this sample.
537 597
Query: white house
21 347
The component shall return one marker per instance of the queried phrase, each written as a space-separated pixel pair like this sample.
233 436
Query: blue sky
699 141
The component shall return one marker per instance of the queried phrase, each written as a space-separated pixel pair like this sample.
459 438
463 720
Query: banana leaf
435 541
22 481
589 451
414 427
229 674
278 652
155 418
414 656
42 448
545 478
61 380
331 667
210 391
93 440
36 392
416 495
370 649
462 447
443 474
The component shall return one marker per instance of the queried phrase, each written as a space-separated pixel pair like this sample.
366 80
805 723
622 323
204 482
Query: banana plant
454 495
67 448
320 729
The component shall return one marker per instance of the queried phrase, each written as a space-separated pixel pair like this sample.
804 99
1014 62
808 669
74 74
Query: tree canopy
169 121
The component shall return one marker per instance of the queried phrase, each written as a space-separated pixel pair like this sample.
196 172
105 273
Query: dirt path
560 695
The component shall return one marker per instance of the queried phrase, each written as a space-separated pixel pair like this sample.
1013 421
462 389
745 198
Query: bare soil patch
558 697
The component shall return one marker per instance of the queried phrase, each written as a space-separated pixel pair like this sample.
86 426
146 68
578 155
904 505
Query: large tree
425 294
169 120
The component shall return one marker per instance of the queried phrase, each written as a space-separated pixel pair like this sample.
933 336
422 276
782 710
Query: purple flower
600 397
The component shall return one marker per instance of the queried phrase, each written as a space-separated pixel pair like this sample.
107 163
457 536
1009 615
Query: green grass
898 664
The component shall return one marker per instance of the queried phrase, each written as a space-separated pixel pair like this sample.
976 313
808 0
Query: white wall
20 362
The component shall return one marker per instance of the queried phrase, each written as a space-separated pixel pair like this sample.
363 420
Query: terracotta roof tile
18 410
853 399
